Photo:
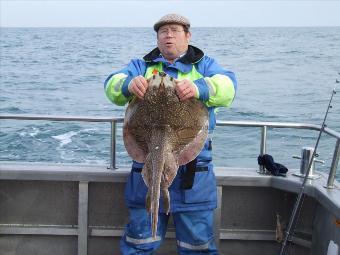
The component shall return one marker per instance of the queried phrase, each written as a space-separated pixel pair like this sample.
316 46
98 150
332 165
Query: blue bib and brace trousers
193 193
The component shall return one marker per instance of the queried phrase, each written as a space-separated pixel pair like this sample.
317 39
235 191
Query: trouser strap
188 176
198 169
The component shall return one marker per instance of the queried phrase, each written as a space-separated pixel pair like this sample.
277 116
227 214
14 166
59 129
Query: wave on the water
65 138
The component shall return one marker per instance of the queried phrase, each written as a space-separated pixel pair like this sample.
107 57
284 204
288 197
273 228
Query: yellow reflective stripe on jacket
151 69
113 89
192 75
221 90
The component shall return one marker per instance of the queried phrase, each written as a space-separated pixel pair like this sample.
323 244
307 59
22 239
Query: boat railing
262 125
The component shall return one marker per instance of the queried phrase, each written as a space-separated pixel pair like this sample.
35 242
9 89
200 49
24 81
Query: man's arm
218 86
117 84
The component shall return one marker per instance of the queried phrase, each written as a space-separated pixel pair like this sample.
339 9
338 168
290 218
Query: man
193 191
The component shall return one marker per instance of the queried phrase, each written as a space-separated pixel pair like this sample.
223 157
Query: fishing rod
301 193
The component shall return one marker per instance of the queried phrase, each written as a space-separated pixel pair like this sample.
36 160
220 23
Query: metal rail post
263 146
218 217
113 145
335 161
83 218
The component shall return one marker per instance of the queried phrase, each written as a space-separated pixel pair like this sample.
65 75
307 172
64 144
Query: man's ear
188 36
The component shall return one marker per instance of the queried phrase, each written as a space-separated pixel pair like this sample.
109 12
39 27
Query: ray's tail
155 195
155 168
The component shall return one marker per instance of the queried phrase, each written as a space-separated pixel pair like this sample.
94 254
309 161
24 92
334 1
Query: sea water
284 75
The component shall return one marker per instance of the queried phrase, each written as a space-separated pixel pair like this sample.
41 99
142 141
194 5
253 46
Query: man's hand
138 86
185 89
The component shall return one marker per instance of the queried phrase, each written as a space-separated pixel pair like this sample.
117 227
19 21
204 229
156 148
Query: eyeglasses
172 30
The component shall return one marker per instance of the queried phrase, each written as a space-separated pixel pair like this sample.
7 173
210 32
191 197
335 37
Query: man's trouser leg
195 232
137 238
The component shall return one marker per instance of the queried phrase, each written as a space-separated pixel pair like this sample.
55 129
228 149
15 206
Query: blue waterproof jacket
216 87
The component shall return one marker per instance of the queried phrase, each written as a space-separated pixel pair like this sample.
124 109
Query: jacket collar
192 56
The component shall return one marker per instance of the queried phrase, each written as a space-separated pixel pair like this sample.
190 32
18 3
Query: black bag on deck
268 162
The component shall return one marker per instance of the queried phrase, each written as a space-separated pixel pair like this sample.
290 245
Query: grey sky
145 13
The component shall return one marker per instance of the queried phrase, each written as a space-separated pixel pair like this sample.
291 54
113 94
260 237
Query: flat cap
172 19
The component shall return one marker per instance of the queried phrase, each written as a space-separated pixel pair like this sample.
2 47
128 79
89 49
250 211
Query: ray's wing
191 132
134 135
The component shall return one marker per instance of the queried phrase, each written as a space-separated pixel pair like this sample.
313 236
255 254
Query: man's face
172 41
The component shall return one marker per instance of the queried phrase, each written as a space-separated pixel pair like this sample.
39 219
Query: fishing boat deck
78 209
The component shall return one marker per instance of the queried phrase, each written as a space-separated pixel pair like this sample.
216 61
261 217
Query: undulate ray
163 133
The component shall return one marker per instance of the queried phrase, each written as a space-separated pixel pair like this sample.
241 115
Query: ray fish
163 133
